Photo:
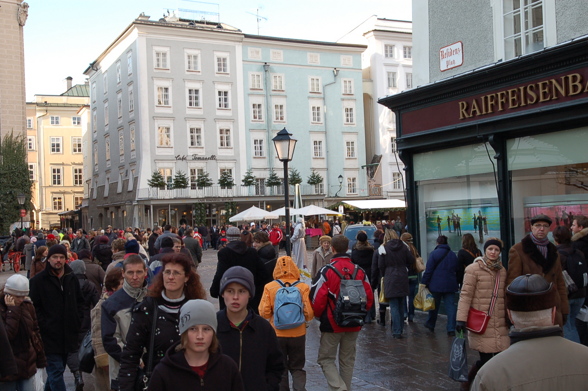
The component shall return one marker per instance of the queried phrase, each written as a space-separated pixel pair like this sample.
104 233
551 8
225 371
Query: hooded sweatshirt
287 272
175 374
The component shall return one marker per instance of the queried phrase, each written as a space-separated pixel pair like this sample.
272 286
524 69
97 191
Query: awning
376 204
69 213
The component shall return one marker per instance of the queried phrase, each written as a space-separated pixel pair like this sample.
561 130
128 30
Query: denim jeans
413 284
19 385
570 331
55 369
397 314
450 307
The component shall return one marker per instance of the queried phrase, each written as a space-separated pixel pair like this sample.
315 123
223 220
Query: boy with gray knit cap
195 357
246 337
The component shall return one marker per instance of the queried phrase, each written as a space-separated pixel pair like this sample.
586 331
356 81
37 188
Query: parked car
352 230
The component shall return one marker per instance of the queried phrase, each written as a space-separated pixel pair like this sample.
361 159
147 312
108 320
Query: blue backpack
288 307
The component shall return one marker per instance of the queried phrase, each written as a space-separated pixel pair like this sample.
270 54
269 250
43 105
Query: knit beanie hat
78 266
530 293
233 233
57 249
103 239
132 247
241 276
196 312
167 242
17 285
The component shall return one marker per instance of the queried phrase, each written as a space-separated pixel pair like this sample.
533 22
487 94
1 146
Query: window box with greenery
272 181
248 180
203 181
156 183
226 182
315 179
181 182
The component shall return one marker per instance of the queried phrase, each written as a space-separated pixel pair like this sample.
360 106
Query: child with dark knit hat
195 362
246 337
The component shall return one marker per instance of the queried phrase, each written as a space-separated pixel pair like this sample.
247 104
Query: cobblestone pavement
418 362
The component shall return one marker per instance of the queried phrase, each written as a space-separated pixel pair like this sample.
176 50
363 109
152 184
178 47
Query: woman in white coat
299 244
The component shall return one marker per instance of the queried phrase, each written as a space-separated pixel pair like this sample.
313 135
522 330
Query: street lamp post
340 177
21 200
285 150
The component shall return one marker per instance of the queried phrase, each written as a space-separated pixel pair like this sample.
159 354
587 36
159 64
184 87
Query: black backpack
351 302
577 268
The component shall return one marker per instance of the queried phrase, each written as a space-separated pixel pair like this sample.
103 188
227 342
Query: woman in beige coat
478 285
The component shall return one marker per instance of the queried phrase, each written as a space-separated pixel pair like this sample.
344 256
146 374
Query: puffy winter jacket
441 273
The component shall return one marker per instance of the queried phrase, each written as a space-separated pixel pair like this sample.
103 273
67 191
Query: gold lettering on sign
529 94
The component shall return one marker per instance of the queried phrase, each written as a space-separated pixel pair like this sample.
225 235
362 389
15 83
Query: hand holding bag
458 359
424 300
478 320
381 296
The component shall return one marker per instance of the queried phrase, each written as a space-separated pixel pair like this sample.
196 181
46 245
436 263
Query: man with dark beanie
535 254
237 253
58 302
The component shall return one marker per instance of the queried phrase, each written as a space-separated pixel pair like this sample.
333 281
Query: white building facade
175 96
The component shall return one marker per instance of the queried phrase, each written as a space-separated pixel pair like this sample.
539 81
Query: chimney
69 79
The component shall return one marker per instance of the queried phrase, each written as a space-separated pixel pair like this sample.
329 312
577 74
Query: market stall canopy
282 211
254 213
313 210
376 204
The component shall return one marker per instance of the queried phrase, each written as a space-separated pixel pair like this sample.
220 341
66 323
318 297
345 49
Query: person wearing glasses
535 254
172 287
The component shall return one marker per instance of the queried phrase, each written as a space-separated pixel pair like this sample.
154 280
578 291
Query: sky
62 37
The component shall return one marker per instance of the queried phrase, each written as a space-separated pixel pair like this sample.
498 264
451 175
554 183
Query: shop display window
457 194
549 175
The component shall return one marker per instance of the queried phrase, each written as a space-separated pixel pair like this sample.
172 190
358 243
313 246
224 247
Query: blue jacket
441 273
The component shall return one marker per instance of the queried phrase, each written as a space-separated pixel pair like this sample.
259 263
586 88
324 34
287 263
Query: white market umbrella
254 213
313 210
282 211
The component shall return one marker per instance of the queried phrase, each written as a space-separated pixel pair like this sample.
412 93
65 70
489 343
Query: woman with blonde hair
477 292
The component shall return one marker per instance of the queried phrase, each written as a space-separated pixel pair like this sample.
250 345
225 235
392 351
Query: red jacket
325 289
275 236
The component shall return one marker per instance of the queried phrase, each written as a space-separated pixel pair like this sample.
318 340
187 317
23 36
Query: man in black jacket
152 238
58 302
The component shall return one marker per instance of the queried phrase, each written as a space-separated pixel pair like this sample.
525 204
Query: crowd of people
139 296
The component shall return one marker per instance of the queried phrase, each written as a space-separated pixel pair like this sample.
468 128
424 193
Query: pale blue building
314 90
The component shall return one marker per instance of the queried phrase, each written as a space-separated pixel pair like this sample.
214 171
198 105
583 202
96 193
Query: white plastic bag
39 383
305 276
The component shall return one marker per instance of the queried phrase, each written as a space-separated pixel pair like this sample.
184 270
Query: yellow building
54 140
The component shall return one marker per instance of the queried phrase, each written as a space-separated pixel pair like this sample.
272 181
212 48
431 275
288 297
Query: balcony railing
218 192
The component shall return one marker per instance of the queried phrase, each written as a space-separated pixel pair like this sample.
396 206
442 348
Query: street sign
23 212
